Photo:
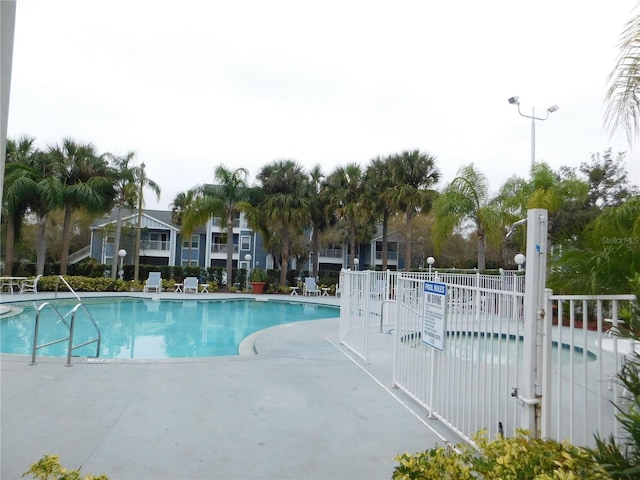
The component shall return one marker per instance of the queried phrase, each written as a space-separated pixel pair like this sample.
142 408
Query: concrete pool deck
300 408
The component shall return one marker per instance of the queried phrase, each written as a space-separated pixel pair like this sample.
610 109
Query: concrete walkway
300 408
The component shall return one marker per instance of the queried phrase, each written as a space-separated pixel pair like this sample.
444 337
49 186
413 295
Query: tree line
297 211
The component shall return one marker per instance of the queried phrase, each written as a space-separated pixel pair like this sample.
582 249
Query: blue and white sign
434 328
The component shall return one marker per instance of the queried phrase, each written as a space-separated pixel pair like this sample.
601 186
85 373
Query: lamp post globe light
122 253
553 108
519 259
431 261
356 263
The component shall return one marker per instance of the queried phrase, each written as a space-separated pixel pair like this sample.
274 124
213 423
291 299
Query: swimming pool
135 328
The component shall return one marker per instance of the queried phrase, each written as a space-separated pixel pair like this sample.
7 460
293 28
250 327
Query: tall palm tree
15 193
37 182
286 203
466 198
318 201
179 214
623 93
379 181
84 177
231 190
123 178
413 173
142 182
348 201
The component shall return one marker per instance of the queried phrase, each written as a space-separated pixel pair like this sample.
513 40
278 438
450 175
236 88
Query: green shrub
49 468
515 458
86 284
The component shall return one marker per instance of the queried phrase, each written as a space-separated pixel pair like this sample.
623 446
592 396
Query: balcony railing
155 245
390 255
331 253
222 248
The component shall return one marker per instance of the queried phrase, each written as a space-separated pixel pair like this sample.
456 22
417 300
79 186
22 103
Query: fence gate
469 384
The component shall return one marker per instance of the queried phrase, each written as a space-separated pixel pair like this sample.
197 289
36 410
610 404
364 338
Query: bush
515 458
49 468
82 284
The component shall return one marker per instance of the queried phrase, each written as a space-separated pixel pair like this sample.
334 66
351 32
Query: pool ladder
69 324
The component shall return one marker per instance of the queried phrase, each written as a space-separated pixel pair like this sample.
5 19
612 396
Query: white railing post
529 391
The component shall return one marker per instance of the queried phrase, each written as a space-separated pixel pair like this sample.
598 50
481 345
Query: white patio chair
310 287
190 285
30 285
154 282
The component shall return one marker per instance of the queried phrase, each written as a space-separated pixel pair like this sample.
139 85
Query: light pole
122 253
136 259
519 259
356 263
247 258
431 261
553 108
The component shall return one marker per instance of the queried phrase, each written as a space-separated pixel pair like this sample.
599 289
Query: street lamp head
514 100
122 253
247 257
431 260
519 259
553 108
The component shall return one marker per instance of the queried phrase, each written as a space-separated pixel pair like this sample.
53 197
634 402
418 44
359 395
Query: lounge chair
30 285
310 287
190 284
154 282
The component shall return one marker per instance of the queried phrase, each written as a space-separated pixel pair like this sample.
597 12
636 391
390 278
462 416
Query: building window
195 242
195 251
245 242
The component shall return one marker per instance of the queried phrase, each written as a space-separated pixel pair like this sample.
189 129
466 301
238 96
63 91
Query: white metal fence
581 355
476 382
468 385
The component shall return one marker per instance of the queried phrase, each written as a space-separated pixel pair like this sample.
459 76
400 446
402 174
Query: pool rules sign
434 318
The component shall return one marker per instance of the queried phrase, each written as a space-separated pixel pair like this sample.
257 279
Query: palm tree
466 198
231 191
379 181
141 181
348 201
286 203
623 93
36 182
604 257
413 173
318 201
84 177
122 174
179 214
15 192
546 189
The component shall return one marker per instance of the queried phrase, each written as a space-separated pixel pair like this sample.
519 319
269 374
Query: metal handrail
69 325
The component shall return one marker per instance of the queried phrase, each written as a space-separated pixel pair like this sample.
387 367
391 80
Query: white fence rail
582 354
475 382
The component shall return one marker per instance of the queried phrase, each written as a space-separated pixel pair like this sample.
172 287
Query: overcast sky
192 84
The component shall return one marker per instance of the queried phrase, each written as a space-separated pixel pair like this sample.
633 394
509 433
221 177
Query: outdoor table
325 291
178 287
294 290
11 282
205 288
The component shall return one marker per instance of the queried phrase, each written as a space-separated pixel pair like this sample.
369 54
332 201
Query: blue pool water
151 329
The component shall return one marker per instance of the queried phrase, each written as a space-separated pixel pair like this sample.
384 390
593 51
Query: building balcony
222 248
